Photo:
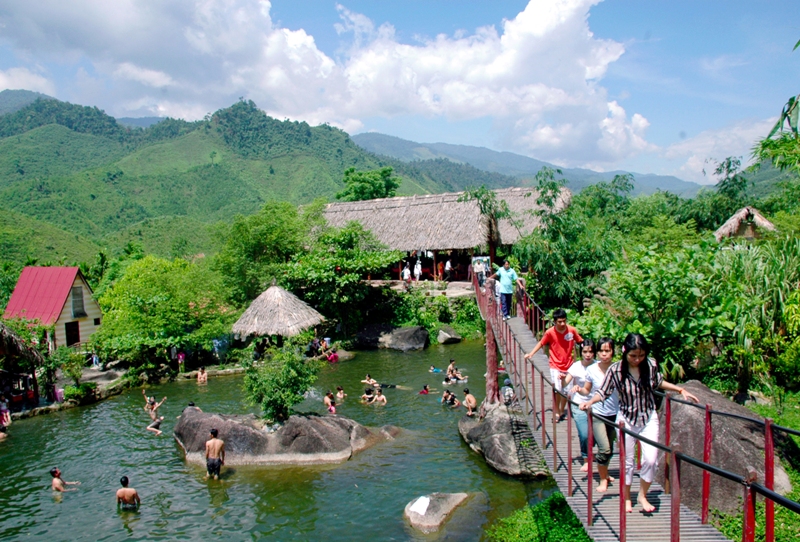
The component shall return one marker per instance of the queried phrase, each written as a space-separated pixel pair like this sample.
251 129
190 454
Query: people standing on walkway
636 378
561 338
127 497
480 271
508 277
604 413
577 377
418 269
448 270
406 277
215 455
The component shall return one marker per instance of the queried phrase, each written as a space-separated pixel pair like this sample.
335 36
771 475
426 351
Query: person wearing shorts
561 338
215 455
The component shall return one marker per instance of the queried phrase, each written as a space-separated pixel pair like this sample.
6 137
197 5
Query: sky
651 86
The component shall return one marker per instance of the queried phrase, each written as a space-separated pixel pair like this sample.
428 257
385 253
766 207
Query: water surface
363 498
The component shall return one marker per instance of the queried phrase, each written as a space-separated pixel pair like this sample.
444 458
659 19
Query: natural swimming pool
363 498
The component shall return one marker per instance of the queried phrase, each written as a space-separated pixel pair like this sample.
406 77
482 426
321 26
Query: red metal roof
40 293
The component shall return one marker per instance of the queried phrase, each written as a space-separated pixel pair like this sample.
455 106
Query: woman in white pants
635 379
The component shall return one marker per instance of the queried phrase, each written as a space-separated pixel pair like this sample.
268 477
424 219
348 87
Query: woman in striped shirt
636 378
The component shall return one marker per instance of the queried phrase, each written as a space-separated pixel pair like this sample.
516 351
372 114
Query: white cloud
537 77
151 78
701 152
22 78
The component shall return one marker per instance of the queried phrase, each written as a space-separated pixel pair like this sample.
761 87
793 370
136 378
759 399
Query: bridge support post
675 501
492 392
769 480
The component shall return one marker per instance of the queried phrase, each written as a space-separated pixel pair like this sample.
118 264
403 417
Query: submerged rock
505 441
428 513
448 335
737 444
303 439
405 339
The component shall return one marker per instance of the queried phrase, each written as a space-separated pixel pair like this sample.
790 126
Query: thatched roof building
439 221
276 312
744 223
12 345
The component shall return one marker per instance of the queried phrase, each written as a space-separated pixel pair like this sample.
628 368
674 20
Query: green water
363 498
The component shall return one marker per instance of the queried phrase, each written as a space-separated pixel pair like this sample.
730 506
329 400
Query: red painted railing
523 378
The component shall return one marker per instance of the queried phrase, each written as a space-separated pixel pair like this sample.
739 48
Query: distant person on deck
440 274
407 276
448 270
562 339
418 269
480 271
508 277
127 497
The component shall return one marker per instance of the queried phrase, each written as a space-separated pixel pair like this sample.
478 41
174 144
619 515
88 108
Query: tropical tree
364 185
492 210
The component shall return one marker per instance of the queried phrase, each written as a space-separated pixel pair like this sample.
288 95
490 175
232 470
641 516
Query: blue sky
648 86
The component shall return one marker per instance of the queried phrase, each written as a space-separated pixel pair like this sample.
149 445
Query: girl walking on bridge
636 378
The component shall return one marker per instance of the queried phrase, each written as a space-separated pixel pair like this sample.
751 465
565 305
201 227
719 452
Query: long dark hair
637 341
588 343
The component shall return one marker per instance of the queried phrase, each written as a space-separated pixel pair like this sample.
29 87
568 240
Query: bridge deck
513 343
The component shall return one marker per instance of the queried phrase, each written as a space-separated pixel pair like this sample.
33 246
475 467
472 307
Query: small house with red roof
58 297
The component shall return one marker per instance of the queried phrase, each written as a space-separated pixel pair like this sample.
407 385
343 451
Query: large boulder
301 440
368 337
737 444
405 339
428 513
448 335
505 441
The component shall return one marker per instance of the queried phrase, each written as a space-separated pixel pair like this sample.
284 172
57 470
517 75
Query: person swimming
340 394
370 381
434 370
367 397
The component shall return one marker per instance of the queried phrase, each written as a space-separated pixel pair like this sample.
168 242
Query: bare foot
628 506
216 477
585 467
159 433
603 487
645 504
610 479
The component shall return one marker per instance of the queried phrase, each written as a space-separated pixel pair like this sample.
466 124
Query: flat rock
736 445
448 335
429 512
303 439
505 441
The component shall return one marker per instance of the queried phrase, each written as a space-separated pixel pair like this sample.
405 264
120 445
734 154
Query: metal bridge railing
523 378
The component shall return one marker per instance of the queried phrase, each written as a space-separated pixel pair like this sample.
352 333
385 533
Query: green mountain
23 237
521 167
139 122
80 171
14 100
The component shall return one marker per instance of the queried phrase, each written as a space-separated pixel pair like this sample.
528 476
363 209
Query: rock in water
737 444
505 441
448 335
430 512
305 439
405 339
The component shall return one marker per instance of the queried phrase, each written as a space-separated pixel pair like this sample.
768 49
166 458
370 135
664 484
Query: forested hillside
75 170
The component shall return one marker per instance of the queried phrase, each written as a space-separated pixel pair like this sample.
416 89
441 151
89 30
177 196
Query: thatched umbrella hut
12 346
744 223
276 312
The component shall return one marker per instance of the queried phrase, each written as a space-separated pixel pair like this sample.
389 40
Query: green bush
70 362
81 392
551 520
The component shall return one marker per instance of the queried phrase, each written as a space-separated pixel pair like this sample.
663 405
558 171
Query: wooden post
435 275
492 393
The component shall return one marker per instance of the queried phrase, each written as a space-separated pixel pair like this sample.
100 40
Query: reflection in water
366 495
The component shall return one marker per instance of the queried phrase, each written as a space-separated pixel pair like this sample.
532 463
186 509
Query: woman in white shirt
577 376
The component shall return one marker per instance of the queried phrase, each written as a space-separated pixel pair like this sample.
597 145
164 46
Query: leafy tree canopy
364 185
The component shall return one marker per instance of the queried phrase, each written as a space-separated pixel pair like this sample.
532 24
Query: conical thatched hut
744 223
12 345
276 312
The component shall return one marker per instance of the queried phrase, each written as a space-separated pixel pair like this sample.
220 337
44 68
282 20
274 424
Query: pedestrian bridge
603 515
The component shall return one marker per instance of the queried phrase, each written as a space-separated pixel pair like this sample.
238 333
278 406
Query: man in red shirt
562 340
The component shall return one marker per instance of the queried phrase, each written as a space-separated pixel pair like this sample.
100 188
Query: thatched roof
12 345
276 312
438 221
740 217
